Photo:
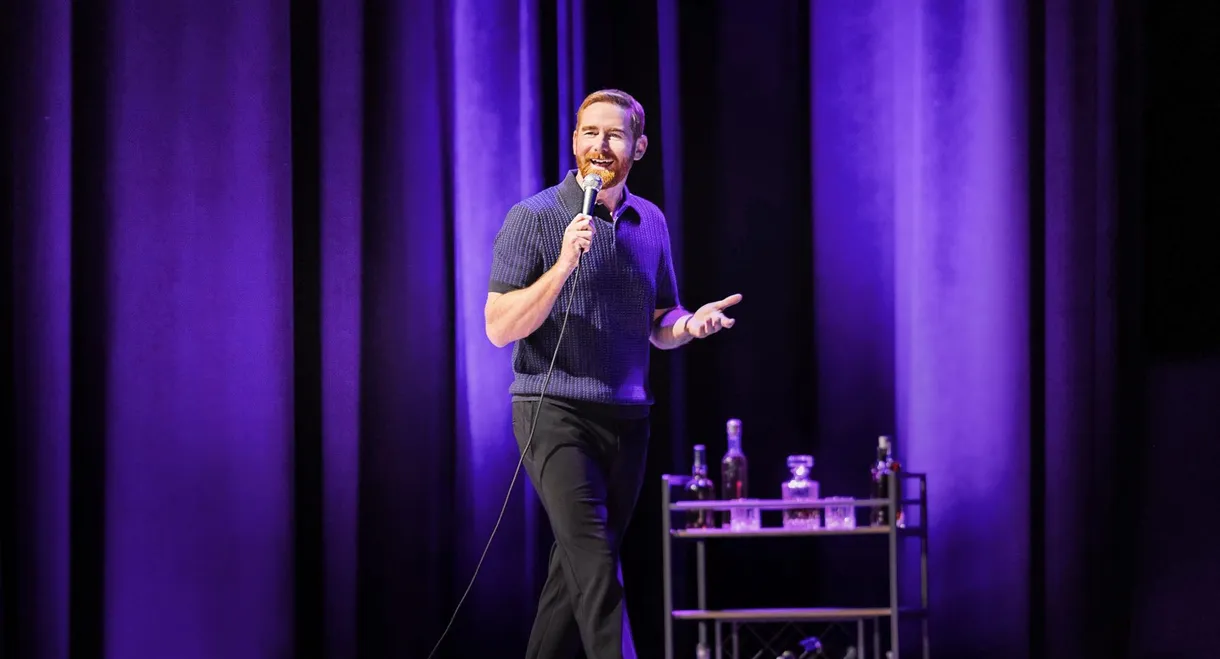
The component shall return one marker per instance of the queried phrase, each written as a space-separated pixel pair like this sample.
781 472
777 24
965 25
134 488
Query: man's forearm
517 314
669 331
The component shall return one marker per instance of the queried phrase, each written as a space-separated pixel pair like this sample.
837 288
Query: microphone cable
508 496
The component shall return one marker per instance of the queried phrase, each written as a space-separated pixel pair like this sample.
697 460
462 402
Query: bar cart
875 617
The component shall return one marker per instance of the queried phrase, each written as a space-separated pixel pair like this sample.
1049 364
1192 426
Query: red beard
610 174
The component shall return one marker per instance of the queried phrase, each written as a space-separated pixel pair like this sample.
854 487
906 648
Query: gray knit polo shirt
627 275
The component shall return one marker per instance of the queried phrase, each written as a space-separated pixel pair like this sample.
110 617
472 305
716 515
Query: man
587 454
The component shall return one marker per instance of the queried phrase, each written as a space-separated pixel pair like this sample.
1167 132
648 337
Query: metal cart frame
892 612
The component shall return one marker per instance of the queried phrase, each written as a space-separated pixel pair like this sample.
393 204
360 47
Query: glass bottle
885 471
700 488
733 467
801 487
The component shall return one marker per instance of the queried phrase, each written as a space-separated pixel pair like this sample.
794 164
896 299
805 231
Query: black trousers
587 464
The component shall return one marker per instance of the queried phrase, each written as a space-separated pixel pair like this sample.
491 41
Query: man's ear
641 145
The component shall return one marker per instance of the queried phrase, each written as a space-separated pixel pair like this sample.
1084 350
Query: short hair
635 111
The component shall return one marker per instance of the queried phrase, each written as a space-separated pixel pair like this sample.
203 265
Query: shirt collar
573 196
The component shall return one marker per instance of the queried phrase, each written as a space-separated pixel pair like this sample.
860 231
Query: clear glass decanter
798 488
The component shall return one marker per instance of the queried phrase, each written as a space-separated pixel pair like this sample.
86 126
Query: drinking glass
842 516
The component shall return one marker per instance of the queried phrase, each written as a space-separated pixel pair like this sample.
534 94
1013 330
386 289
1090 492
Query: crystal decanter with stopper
801 487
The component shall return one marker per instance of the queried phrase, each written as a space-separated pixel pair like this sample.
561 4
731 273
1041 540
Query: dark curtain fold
1166 160
250 410
36 331
1078 332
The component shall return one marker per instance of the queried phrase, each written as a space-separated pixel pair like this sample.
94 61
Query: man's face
603 142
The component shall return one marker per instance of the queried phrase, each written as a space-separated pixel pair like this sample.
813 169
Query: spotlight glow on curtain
920 219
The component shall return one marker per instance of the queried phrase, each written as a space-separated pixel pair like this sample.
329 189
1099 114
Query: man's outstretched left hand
710 317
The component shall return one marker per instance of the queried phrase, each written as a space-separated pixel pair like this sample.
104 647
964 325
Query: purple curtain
922 257
256 409
251 412
37 330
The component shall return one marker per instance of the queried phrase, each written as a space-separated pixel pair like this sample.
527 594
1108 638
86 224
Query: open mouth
604 163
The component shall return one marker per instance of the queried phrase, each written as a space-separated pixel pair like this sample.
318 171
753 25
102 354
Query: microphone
592 184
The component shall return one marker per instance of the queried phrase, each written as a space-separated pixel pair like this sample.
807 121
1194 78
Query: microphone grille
593 181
